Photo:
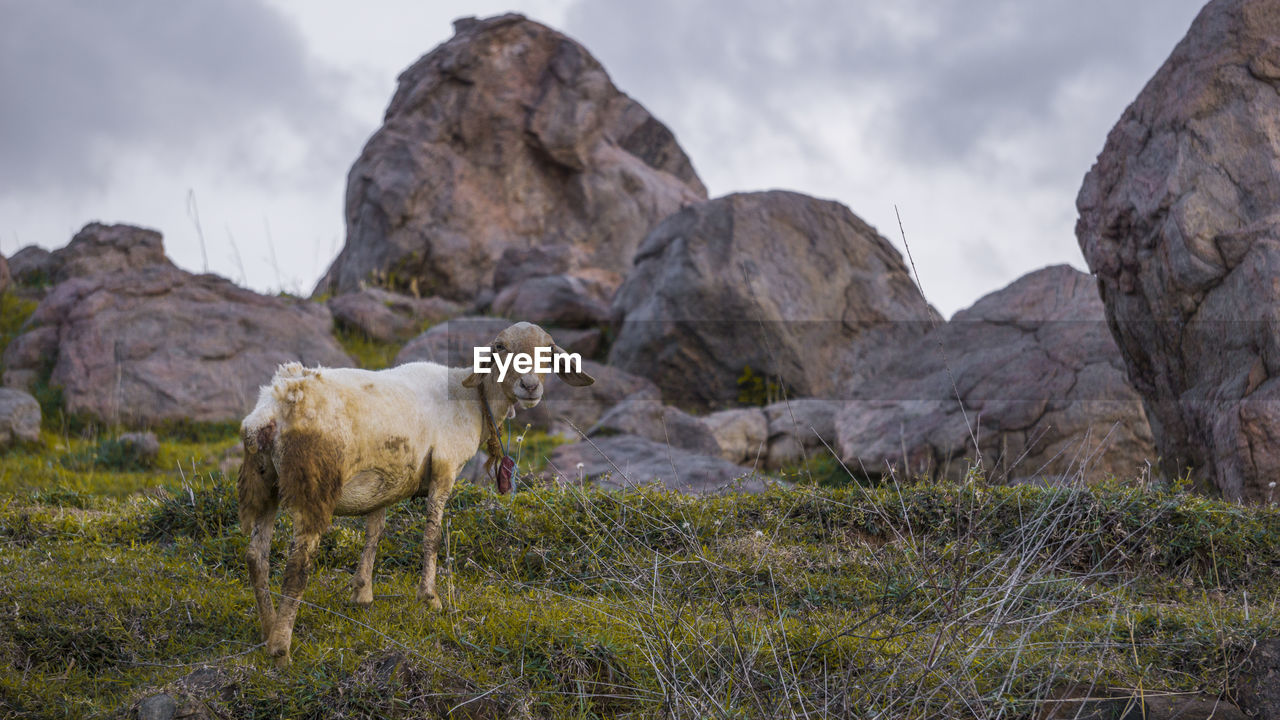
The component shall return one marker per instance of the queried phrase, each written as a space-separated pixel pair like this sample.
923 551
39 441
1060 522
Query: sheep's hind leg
362 582
436 499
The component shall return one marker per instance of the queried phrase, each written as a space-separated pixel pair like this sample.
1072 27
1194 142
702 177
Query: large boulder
158 344
799 290
624 461
508 135
1030 372
19 418
1180 220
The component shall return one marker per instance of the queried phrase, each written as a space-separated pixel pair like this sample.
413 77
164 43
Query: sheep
338 441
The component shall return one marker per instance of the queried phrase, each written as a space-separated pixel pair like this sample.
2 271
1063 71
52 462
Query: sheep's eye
499 347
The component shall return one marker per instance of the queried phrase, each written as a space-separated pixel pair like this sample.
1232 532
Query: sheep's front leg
301 552
362 582
436 499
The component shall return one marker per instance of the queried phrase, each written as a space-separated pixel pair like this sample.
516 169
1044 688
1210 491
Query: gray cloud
199 81
979 117
947 74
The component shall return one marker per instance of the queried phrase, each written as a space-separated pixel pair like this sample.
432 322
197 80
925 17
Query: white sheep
326 441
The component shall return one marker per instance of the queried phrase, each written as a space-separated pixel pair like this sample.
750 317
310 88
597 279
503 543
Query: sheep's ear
576 379
472 380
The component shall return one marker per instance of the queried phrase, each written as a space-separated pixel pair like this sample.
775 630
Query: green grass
908 600
368 353
14 312
56 467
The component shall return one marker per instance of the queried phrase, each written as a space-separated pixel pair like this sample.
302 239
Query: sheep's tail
278 404
281 402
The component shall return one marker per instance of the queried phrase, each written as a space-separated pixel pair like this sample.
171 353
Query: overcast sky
977 118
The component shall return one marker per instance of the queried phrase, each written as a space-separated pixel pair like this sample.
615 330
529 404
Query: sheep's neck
489 428
493 405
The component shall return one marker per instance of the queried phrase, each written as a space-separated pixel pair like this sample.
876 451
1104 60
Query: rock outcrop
509 135
798 290
741 433
1180 220
622 461
799 429
652 420
785 432
32 265
149 342
387 316
98 249
453 342
568 301
564 408
1030 372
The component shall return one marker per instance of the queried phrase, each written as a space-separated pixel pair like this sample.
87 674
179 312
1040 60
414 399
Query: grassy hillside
913 600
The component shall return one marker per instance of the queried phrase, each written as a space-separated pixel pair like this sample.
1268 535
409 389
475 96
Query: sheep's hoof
431 599
278 647
361 592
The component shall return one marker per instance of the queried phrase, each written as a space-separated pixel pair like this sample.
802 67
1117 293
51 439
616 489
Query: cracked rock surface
509 135
1180 221
1042 385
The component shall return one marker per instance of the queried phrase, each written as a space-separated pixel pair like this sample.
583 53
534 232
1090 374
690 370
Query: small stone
19 417
621 461
142 447
157 707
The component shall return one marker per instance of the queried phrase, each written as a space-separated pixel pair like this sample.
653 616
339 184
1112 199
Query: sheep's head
524 340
